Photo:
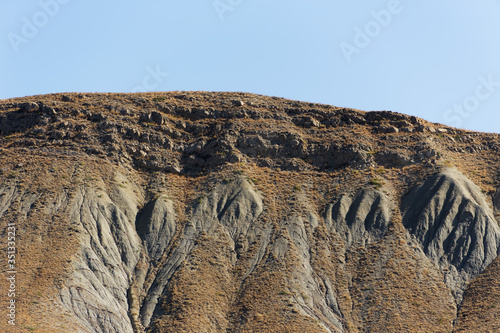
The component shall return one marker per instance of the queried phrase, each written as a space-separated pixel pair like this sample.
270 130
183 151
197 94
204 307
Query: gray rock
49 110
145 117
306 121
392 159
313 294
256 146
342 156
373 117
350 118
334 122
30 107
125 112
235 206
157 118
97 117
386 129
360 219
449 217
407 129
156 225
96 292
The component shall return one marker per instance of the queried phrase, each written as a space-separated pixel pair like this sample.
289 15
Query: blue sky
438 60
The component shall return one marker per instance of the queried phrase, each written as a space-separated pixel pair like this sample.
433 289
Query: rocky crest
232 212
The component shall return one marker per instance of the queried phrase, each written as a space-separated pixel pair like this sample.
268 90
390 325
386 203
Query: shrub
376 182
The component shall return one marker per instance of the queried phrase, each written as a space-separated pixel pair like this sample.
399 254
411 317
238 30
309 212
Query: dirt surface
233 212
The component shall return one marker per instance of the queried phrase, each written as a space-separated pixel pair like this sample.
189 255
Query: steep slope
479 310
229 212
97 290
449 217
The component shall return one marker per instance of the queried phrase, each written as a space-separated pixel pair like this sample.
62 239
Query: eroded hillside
232 212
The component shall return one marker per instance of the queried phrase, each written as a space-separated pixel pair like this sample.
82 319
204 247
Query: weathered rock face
156 226
127 261
97 290
187 212
449 217
318 298
361 219
230 210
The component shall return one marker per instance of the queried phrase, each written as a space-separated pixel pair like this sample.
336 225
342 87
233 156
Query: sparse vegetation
243 270
376 183
159 99
200 198
254 181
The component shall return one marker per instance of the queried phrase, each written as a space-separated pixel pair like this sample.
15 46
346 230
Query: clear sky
438 60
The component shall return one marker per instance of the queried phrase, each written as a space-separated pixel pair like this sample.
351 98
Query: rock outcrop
450 218
229 212
361 219
110 248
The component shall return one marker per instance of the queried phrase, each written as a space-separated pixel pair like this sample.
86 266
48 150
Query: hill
233 212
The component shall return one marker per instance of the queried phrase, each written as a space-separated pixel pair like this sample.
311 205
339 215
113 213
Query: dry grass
384 287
